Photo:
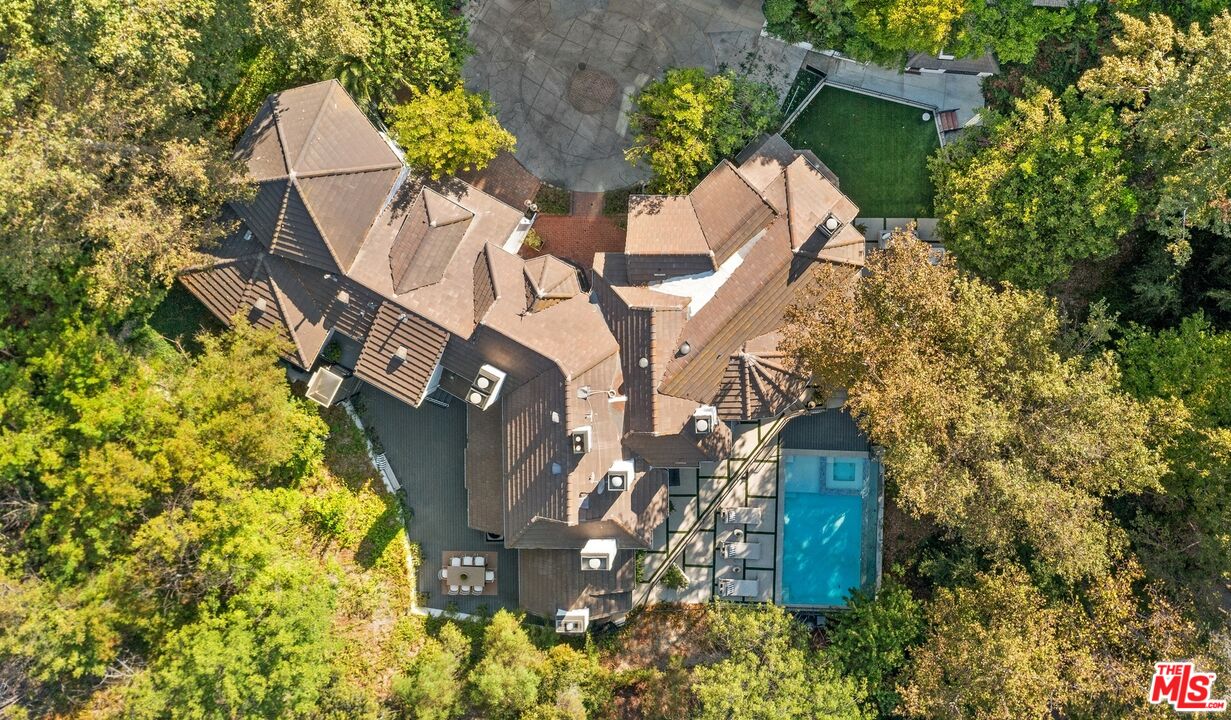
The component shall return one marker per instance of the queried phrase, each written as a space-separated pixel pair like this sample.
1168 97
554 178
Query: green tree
992 652
686 122
505 682
432 689
1169 88
767 671
267 655
446 131
1034 192
991 425
872 638
1180 531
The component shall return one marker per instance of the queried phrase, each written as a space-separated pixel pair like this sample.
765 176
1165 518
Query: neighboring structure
577 402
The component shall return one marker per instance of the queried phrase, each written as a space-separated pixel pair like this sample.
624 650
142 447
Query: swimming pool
829 533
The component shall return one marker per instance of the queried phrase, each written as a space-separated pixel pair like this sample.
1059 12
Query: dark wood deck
426 448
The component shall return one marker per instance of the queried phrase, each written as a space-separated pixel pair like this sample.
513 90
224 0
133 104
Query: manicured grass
877 148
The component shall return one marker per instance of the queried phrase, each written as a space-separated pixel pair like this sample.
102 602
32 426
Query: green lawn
877 148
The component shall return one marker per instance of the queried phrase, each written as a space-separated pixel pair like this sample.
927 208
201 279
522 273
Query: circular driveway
563 73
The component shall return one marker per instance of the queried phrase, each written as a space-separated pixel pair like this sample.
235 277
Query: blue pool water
822 540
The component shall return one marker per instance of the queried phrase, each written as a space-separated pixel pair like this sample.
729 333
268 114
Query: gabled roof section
427 241
664 225
551 278
729 210
811 199
401 353
323 171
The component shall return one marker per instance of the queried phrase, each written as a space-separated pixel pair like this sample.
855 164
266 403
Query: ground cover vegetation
181 535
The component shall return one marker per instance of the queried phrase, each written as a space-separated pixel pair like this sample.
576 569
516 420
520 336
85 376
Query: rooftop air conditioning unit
704 419
620 476
573 622
579 440
485 389
598 554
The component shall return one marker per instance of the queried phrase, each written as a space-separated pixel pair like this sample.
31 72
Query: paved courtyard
563 73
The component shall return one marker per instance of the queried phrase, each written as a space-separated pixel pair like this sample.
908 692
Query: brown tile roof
448 302
427 241
551 580
379 363
484 285
730 210
760 381
664 225
552 278
324 173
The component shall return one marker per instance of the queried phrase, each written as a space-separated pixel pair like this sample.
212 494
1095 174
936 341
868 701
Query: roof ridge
349 171
319 229
320 112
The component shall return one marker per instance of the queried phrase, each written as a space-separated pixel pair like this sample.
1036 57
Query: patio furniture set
468 574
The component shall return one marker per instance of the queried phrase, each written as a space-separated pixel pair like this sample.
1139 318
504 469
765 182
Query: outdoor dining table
468 575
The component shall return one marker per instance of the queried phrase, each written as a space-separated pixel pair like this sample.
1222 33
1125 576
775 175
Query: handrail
758 451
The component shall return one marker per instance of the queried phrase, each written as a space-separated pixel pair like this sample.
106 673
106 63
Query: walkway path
563 73
941 91
580 234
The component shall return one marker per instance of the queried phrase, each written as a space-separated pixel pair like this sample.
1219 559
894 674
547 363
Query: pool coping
873 457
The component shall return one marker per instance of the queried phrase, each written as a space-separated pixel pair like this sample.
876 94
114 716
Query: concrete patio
563 73
937 91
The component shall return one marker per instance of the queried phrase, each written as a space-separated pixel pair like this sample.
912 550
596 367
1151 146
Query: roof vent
704 419
343 297
830 225
401 353
556 469
555 416
260 305
247 234
598 554
685 348
643 363
620 476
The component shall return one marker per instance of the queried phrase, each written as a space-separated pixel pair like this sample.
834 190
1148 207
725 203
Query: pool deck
703 564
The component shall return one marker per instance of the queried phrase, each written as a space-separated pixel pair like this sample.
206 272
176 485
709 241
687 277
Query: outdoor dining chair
490 576
468 560
456 562
453 589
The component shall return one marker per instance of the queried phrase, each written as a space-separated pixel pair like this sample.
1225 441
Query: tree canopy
990 425
445 132
1032 193
687 121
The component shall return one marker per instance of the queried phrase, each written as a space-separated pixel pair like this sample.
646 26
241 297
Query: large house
579 401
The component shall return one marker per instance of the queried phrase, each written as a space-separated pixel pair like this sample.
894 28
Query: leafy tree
432 690
267 655
909 25
767 671
1032 193
871 640
1180 531
990 426
1168 86
991 652
686 122
446 131
505 682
